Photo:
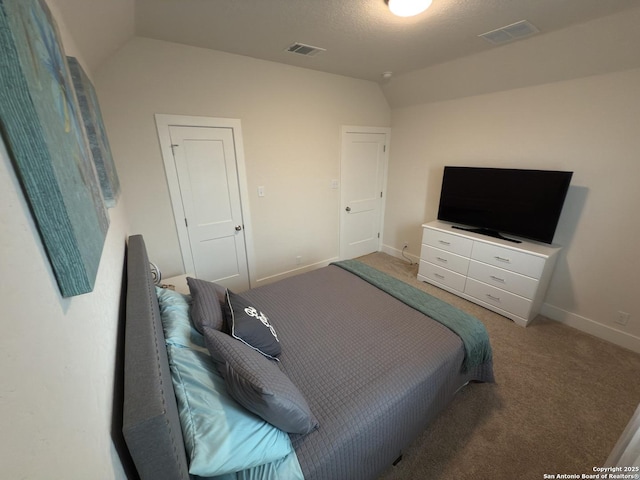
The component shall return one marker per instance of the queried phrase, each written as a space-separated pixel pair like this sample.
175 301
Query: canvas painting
44 134
96 133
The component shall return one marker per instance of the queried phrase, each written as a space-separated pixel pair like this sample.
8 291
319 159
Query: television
504 201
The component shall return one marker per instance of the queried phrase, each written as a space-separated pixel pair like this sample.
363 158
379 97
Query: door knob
238 228
348 209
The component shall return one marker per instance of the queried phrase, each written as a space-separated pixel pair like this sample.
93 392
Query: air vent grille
512 32
306 50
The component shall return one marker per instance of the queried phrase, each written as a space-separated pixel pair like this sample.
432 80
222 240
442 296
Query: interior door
362 178
205 163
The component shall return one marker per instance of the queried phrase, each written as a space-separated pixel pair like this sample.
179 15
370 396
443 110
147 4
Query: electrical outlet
298 260
405 244
623 318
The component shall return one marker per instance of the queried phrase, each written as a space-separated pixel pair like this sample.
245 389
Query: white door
362 178
207 175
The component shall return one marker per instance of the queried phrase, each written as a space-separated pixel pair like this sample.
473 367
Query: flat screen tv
496 201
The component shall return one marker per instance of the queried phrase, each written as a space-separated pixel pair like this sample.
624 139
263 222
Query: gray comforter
374 370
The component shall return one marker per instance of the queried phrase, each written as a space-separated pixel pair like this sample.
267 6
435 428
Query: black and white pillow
251 326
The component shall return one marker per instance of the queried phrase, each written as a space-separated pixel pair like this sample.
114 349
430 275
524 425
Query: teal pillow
176 323
220 435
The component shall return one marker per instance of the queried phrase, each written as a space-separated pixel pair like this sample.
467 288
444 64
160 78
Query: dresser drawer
447 241
498 298
512 260
503 279
442 275
445 259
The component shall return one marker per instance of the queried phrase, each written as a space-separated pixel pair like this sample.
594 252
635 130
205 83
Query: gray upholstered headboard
151 426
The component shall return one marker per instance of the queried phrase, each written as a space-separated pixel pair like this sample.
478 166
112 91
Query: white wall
291 119
589 126
99 27
58 355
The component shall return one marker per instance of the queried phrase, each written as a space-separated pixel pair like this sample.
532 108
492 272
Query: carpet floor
561 400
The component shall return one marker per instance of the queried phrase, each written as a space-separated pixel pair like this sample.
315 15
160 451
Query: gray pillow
259 385
250 325
206 309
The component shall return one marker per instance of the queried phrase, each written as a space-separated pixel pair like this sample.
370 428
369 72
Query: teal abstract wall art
96 133
43 131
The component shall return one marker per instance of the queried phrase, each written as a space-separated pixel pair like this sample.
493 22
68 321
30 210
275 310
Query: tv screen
494 201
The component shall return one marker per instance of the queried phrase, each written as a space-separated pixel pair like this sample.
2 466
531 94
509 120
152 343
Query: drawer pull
502 259
437 275
443 242
491 297
443 260
496 279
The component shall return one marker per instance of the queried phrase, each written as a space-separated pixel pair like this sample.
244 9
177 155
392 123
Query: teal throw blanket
472 332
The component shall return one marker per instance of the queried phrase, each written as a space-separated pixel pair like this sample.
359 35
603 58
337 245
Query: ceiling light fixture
407 8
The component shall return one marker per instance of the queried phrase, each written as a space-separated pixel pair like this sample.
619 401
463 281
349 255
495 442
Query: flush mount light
407 8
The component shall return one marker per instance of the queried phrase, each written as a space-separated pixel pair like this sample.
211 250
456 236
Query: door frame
345 129
163 122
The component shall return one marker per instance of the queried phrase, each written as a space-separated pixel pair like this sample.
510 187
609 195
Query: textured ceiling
361 37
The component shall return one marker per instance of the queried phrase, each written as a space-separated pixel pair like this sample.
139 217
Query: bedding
469 329
373 370
221 437
175 317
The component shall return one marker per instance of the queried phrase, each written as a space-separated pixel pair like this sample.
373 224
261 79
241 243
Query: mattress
374 370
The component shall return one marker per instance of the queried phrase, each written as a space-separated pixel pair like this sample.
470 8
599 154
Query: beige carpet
560 401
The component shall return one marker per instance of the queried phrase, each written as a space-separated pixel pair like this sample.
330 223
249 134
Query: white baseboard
605 332
394 252
290 273
592 327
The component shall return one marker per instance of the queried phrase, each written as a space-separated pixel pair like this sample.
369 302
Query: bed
369 368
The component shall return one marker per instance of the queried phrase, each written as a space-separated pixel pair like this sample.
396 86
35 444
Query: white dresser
509 278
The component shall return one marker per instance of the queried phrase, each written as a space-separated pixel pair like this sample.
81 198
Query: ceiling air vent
515 31
306 50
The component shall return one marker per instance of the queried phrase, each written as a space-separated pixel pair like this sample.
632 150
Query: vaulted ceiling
361 37
430 55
